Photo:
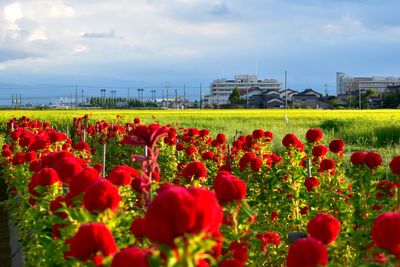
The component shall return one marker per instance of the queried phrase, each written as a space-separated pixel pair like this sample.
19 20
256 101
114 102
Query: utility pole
176 98
184 94
359 98
76 96
153 95
128 93
286 96
247 98
201 96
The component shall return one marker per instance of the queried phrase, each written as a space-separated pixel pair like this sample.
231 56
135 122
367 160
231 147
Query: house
309 98
269 99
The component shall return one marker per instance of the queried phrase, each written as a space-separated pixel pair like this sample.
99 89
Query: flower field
129 192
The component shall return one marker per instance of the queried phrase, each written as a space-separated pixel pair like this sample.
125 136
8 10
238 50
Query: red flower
245 160
194 170
358 158
177 210
255 164
30 156
311 183
81 146
45 177
207 155
230 263
336 146
18 158
385 231
67 167
239 251
82 180
146 135
274 216
57 204
101 195
395 165
136 120
190 150
268 135
6 153
373 160
122 175
324 227
257 134
220 139
307 252
137 228
327 165
314 135
292 140
229 188
268 238
319 151
89 240
132 256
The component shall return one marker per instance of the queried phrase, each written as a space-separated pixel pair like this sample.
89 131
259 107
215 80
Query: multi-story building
347 85
221 89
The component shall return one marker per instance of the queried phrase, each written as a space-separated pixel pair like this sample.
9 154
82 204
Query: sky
160 43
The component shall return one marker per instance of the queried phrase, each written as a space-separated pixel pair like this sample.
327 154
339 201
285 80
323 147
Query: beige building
346 84
221 89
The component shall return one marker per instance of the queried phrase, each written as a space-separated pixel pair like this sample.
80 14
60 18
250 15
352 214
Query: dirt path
4 239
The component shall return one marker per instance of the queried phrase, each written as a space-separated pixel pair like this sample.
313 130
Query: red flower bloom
314 135
274 216
101 195
327 165
336 146
146 135
82 180
18 158
307 252
268 238
385 231
137 228
45 177
81 146
207 155
6 153
229 188
57 204
292 140
373 160
324 227
319 151
395 165
255 164
311 183
257 134
30 156
268 135
132 256
245 160
89 240
177 210
190 150
230 263
194 170
122 175
220 139
136 120
68 167
358 158
239 251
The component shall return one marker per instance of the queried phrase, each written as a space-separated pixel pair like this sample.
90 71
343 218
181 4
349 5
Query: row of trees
111 102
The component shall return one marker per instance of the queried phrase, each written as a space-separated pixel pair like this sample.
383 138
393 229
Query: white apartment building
346 84
221 89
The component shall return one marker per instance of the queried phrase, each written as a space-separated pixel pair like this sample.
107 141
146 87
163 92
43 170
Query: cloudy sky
171 42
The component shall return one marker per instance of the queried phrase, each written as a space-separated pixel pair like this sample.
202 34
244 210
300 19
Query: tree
234 98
